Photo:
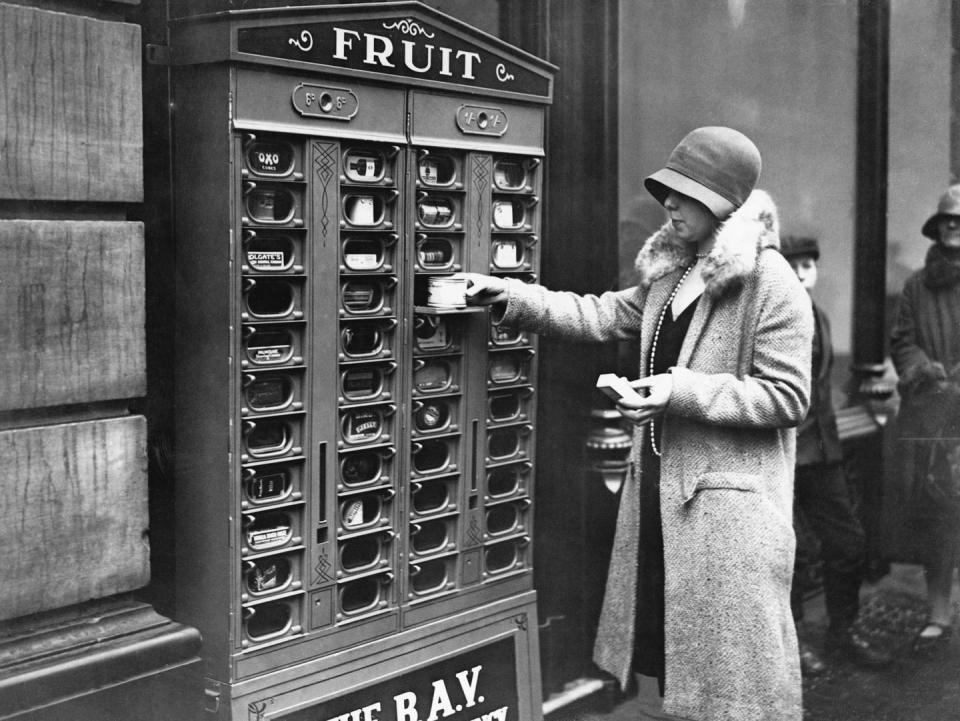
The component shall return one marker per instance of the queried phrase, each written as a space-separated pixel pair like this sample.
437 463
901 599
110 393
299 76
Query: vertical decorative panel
70 107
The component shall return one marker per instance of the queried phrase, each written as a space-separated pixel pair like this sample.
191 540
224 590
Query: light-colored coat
741 384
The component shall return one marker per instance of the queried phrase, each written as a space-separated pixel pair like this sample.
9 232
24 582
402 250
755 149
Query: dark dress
648 653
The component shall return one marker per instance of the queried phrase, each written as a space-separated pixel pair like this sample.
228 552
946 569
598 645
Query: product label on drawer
266 354
477 686
267 260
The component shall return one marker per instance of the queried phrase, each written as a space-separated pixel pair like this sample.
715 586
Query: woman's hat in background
793 246
715 165
949 205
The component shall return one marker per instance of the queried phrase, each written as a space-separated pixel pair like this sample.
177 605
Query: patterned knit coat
740 386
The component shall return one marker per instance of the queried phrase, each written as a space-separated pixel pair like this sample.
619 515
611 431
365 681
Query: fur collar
939 271
750 228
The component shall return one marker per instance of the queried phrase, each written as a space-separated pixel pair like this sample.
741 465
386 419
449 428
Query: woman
925 345
698 588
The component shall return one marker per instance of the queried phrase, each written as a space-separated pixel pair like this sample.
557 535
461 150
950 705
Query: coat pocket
726 481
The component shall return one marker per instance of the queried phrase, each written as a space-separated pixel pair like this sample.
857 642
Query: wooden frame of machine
354 446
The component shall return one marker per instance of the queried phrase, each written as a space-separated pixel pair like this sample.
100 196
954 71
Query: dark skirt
933 518
648 650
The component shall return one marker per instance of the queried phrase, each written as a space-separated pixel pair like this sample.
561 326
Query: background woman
925 345
698 588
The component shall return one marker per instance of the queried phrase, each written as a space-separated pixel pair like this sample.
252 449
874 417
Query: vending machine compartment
272 530
439 253
364 552
272 299
269 484
436 375
363 595
507 480
430 577
506 518
505 557
436 334
359 512
508 367
272 204
439 168
366 252
367 340
504 336
514 213
273 252
269 575
366 424
367 382
365 296
515 174
430 537
434 456
508 442
365 468
272 391
272 346
438 211
370 208
369 165
433 496
272 437
513 253
508 406
272 620
435 415
272 156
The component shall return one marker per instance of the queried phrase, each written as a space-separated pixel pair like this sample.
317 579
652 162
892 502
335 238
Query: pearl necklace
656 337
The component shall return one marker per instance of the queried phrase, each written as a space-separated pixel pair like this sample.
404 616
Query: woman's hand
485 289
654 402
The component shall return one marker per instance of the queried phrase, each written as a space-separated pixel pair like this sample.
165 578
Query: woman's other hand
655 391
485 289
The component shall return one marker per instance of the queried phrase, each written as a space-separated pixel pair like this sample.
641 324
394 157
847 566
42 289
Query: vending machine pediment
403 42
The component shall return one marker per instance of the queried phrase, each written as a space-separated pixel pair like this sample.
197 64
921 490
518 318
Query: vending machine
354 445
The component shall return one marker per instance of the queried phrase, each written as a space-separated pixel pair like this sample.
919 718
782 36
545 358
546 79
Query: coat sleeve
910 360
614 315
775 393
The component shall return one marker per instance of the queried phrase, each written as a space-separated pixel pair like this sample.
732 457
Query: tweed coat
740 386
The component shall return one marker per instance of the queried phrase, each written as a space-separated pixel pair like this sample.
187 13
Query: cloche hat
793 246
715 165
949 205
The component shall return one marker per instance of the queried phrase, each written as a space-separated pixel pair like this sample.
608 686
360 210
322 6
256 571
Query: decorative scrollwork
409 27
256 709
305 42
521 621
502 75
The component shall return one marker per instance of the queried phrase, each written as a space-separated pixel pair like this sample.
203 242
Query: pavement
912 688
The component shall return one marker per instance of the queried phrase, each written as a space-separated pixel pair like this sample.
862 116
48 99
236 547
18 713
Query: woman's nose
670 202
